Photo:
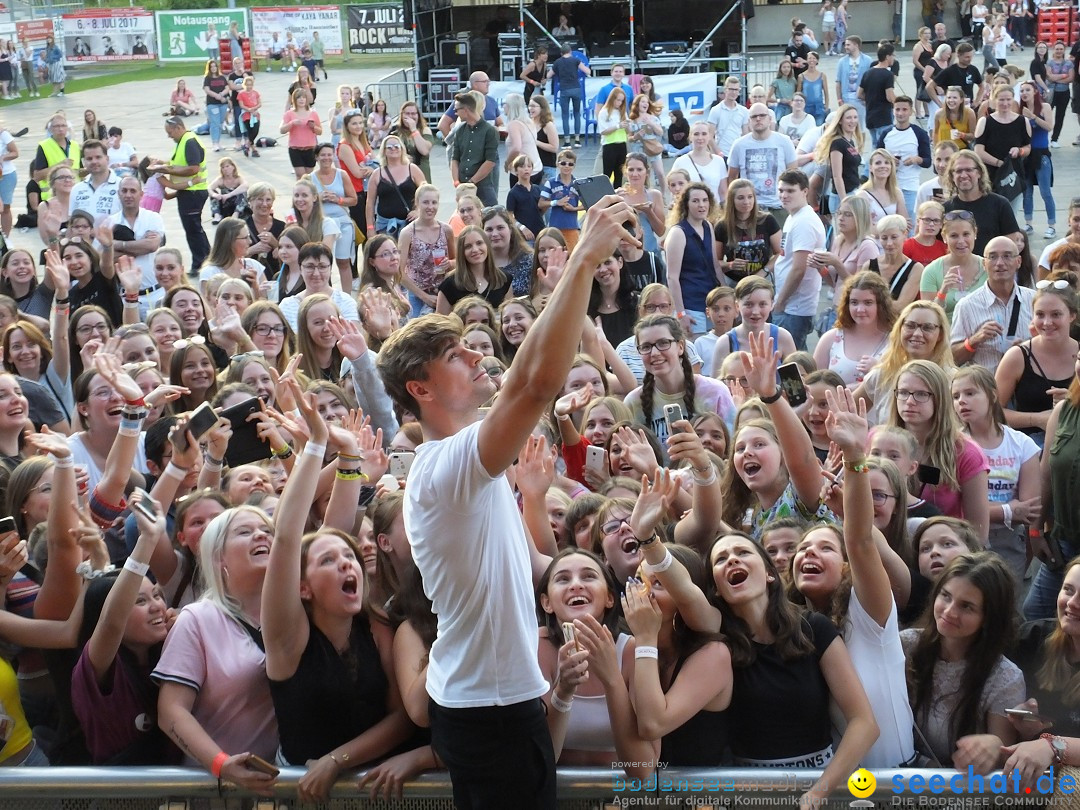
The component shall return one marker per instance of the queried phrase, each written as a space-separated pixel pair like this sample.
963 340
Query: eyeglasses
1001 257
1046 284
44 488
925 328
611 526
566 163
880 497
309 266
394 146
132 329
265 330
90 328
236 358
657 308
662 345
930 220
64 177
902 394
742 381
183 343
972 170
104 394
388 254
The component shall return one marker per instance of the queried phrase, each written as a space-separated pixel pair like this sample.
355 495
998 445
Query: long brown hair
648 383
1056 674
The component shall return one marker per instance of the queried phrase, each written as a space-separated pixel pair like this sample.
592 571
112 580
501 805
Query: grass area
113 74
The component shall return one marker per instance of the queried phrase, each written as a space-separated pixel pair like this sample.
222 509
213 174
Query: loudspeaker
748 9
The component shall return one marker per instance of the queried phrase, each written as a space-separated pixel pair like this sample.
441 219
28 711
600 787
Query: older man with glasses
967 182
995 315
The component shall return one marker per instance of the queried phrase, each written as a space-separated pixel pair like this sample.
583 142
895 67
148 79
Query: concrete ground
137 108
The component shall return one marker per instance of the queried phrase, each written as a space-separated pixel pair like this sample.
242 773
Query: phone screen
791 384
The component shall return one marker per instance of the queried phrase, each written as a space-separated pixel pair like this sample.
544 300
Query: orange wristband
968 346
219 761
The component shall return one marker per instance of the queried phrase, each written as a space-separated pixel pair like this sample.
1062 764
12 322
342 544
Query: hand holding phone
791 384
672 414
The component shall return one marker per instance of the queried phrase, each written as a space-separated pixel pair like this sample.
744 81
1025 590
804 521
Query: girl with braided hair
669 378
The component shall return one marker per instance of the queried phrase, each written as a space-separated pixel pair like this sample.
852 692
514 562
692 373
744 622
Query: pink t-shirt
302 137
208 651
970 461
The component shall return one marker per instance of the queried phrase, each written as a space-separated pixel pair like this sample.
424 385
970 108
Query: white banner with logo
693 93
300 21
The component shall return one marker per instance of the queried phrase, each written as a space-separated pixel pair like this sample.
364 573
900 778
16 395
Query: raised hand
761 363
309 410
111 370
653 503
165 393
642 613
574 401
687 445
148 527
283 396
46 441
596 640
129 274
535 468
350 340
57 272
638 451
846 423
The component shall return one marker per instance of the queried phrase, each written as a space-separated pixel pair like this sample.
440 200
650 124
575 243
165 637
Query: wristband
1006 515
663 565
130 426
215 766
940 295
212 463
1033 533
282 454
341 764
350 457
968 346
64 462
856 466
317 450
647 542
85 570
174 471
136 403
706 482
771 399
131 303
560 705
563 417
136 567
352 474
645 651
61 302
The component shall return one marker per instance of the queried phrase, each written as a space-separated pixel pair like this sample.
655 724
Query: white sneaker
1055 145
1051 232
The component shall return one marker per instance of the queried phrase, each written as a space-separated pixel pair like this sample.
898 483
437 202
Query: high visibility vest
178 159
53 155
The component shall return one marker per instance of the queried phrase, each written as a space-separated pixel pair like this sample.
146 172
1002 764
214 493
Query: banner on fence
34 31
184 36
109 35
378 29
300 21
693 93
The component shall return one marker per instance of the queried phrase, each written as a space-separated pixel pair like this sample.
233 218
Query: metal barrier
394 88
433 97
109 788
761 67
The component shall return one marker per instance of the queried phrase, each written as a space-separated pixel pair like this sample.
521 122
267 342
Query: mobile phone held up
791 384
593 189
672 414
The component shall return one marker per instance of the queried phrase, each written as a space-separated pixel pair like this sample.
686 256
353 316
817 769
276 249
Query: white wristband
647 652
136 567
560 705
317 450
663 565
1006 515
173 471
707 482
64 462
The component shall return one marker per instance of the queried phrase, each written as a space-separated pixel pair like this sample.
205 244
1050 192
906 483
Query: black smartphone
7 524
593 189
929 475
245 446
201 420
791 384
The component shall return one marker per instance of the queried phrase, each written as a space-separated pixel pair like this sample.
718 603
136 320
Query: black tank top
1031 394
391 203
896 286
331 698
701 741
546 158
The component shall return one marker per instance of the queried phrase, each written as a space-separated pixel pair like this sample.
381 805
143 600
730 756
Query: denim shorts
7 187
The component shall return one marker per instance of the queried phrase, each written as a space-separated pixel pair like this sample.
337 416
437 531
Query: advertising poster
378 29
109 35
184 36
300 21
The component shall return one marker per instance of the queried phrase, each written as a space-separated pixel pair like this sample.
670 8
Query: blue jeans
1042 176
875 132
1041 601
909 203
798 325
566 97
215 117
418 307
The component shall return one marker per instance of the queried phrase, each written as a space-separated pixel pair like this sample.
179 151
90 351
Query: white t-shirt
1005 462
290 307
102 201
712 175
146 222
1044 257
802 231
762 162
121 155
8 166
469 543
82 457
903 143
926 192
795 131
729 123
208 271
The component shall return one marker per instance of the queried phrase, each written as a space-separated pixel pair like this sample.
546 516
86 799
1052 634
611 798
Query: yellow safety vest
178 159
53 155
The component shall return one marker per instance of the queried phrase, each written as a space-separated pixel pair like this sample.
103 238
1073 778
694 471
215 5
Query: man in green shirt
476 149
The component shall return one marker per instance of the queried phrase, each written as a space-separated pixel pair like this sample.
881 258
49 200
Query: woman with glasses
89 329
338 197
1035 375
428 251
391 202
382 271
948 279
307 212
229 256
1014 479
655 299
670 379
264 228
864 317
921 404
316 265
52 215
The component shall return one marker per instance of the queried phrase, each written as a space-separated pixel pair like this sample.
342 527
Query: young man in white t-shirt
488 724
761 156
797 283
729 119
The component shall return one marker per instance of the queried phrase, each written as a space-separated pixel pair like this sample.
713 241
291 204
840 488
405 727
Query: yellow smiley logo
861 783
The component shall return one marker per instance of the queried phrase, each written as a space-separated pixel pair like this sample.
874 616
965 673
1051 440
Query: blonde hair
834 131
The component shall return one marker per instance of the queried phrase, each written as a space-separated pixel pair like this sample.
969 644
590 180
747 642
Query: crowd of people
546 483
